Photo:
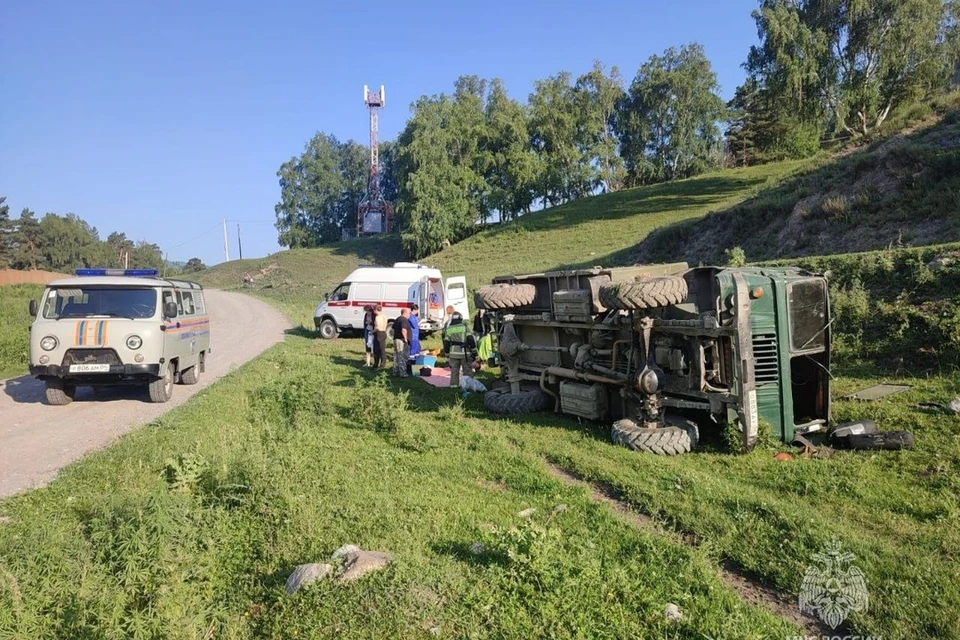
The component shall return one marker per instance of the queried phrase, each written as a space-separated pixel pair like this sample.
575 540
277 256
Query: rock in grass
359 563
307 574
344 551
526 513
476 548
954 405
672 612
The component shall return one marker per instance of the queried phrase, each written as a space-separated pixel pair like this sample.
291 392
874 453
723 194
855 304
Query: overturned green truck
664 350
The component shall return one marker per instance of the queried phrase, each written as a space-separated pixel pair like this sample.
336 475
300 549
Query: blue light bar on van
142 273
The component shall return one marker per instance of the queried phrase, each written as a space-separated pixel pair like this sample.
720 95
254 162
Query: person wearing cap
459 344
414 336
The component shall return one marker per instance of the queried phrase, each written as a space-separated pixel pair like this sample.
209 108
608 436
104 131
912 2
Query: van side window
341 292
187 299
179 304
168 296
198 302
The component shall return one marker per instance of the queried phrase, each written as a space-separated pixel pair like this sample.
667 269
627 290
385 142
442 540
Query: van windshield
86 302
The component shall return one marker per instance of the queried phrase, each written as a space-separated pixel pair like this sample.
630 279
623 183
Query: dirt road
36 439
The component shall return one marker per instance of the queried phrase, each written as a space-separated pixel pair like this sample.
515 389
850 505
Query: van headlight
134 343
48 344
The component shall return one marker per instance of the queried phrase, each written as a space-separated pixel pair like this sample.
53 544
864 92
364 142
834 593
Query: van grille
90 356
766 369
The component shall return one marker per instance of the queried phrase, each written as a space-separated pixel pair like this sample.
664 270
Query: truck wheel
59 393
503 402
680 437
328 329
192 375
645 294
505 296
161 389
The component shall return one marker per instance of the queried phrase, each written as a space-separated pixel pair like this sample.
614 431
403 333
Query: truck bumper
116 373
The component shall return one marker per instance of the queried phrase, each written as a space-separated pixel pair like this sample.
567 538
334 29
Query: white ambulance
393 288
116 326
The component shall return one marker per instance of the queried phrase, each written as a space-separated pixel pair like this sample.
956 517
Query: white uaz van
401 285
115 326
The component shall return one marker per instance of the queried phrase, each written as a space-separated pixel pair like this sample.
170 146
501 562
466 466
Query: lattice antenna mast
374 215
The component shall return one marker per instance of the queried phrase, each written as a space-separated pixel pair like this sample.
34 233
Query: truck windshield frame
135 303
807 304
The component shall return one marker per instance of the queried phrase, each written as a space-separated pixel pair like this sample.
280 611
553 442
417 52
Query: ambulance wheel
192 375
328 329
161 389
59 393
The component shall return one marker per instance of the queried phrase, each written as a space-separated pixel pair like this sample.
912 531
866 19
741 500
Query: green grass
190 526
15 327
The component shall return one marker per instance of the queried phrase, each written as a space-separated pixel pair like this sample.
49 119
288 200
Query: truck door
457 295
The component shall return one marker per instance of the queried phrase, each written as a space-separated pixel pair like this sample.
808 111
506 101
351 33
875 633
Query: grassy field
591 231
190 526
14 327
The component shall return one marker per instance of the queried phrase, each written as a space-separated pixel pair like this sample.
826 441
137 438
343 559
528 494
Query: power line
205 233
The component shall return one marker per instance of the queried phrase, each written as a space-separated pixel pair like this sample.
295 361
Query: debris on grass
672 612
307 574
526 513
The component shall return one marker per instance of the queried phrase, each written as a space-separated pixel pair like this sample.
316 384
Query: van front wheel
161 390
59 393
328 329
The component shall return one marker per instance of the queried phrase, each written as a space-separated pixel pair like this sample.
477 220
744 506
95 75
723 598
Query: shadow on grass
302 332
459 550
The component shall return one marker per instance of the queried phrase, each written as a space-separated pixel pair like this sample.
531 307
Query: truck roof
122 281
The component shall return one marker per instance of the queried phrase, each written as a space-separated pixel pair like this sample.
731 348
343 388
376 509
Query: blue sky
160 119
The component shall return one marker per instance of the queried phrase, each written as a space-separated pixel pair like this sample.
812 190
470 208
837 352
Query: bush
377 408
291 395
735 257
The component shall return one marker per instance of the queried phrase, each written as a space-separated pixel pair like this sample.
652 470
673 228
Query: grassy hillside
15 327
590 231
904 190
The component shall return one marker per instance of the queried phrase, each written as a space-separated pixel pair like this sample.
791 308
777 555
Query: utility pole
239 245
226 246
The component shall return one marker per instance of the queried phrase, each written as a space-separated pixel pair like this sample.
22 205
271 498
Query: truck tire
505 296
680 436
645 294
502 402
328 329
192 375
161 389
58 392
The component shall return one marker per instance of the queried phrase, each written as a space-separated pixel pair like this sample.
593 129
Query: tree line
64 243
822 69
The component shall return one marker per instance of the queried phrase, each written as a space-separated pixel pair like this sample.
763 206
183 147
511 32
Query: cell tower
374 214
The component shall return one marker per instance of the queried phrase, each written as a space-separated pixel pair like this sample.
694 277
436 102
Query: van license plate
89 368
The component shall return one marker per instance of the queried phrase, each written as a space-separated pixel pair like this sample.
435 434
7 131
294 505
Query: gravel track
36 440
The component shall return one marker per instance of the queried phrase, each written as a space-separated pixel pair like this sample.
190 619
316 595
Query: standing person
414 336
401 343
460 346
368 333
449 316
379 338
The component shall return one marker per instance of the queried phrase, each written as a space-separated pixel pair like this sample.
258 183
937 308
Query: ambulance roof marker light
135 273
